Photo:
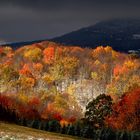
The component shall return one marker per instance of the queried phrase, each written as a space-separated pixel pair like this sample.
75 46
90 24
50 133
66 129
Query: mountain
122 34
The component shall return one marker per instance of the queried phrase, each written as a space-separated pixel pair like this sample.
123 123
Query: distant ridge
122 34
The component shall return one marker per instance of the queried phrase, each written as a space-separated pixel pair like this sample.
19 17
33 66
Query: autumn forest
71 90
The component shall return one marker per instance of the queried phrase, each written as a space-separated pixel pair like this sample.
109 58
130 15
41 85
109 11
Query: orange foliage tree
49 54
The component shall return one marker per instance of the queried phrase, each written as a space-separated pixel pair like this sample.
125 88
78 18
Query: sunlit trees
125 77
70 65
49 81
8 73
56 71
26 83
58 108
38 67
25 70
8 78
49 55
126 112
33 54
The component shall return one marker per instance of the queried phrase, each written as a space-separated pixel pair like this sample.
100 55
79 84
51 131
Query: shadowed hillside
122 34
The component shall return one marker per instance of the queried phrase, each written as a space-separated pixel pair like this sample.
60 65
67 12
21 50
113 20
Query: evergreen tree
42 125
108 134
77 129
54 126
123 136
70 130
46 126
87 132
63 129
35 124
97 109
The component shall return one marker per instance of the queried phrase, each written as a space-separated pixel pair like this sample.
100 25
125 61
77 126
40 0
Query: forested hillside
48 81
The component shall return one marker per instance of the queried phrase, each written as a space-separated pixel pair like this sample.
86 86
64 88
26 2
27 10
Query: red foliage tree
34 102
57 116
6 102
27 112
72 119
126 113
1 50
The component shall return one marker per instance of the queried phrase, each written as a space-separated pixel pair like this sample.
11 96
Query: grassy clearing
15 132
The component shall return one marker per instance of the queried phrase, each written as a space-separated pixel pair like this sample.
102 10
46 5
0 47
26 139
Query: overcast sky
22 20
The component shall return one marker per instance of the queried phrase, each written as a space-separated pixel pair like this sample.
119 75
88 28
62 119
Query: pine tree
63 129
46 126
70 130
54 126
87 132
35 124
77 129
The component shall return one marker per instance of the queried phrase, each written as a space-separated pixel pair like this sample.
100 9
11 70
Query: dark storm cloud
38 19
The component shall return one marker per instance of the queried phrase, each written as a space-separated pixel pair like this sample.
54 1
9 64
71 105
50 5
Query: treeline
79 129
103 119
7 115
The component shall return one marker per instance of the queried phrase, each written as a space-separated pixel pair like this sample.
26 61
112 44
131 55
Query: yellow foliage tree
33 54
